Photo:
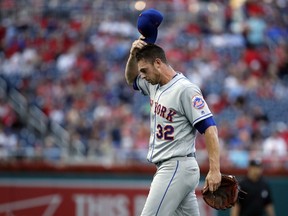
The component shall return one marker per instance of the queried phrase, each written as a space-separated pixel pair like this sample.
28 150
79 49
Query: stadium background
67 115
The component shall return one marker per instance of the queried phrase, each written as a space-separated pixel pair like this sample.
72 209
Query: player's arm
197 111
235 210
131 69
269 207
213 177
270 210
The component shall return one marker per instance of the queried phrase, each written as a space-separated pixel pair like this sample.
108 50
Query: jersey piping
167 188
200 118
153 145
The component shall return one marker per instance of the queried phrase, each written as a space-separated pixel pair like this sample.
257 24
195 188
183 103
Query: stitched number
165 133
159 132
168 134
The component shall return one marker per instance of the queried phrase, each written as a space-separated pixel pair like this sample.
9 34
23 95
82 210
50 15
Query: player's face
149 72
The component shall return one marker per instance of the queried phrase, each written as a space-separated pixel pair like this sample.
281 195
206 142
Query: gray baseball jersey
175 108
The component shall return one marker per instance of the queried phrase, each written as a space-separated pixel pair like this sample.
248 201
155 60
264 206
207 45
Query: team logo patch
198 102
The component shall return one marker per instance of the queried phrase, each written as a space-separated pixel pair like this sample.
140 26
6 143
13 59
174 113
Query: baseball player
178 110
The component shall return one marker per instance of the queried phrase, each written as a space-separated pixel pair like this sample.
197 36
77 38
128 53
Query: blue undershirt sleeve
204 124
135 87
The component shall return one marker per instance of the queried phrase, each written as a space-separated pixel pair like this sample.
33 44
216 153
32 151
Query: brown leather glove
225 196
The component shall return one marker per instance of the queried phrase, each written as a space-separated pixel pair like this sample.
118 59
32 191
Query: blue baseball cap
147 24
255 162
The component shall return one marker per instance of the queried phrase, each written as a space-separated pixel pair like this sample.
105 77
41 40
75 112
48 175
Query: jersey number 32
165 132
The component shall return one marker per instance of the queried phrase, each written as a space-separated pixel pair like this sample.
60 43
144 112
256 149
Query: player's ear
157 62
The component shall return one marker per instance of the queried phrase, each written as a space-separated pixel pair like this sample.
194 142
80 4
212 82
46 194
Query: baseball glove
225 196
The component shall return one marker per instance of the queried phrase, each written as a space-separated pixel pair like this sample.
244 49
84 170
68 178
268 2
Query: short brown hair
150 52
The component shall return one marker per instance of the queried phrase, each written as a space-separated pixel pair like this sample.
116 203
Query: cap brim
151 38
255 163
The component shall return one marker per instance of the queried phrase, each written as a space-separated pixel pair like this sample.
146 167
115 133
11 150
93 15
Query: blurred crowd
68 60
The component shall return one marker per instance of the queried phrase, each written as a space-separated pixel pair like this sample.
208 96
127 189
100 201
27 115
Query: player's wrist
214 168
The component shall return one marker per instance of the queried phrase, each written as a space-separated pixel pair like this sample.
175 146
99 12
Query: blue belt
193 154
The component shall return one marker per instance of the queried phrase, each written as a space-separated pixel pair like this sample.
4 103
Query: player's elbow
130 77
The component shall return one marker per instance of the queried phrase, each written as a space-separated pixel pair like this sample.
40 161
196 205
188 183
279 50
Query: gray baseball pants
172 191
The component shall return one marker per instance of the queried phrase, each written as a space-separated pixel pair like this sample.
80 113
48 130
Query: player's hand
137 44
213 180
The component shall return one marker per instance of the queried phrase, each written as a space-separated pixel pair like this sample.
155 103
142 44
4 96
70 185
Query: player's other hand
137 44
213 180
